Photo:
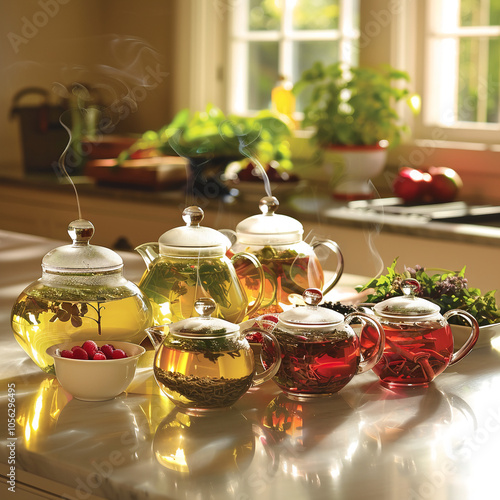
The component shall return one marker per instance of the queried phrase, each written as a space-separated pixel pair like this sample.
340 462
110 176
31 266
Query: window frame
468 135
239 37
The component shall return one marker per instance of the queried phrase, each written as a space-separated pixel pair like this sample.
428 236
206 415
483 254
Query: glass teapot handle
474 334
370 361
256 263
340 262
260 378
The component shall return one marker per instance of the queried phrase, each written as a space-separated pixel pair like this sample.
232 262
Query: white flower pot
352 168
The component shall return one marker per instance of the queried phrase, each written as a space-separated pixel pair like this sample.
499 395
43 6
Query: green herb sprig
448 289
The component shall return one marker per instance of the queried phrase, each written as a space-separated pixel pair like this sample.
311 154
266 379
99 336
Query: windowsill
477 164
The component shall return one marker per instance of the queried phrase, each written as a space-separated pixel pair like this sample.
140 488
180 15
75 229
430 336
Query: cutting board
163 172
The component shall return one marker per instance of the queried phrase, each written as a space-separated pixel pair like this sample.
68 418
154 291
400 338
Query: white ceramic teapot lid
193 240
81 256
269 228
310 316
407 306
204 325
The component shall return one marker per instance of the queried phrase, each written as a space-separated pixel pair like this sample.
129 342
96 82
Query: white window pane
316 15
493 91
264 15
307 53
263 61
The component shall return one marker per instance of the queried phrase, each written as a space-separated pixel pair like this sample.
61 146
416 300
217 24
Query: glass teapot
290 264
190 262
82 295
320 351
418 339
205 363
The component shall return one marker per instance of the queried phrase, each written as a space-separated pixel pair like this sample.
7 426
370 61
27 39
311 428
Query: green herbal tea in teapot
189 263
174 284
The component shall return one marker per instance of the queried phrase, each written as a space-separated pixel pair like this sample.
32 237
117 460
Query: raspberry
91 347
79 353
67 354
107 350
119 354
99 355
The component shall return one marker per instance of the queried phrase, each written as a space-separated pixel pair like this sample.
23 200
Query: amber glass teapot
189 263
82 295
290 264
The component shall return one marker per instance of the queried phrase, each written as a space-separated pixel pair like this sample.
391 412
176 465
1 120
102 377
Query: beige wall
113 43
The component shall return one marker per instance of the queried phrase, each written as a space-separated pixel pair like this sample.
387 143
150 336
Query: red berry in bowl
99 355
79 353
119 354
65 353
107 350
91 347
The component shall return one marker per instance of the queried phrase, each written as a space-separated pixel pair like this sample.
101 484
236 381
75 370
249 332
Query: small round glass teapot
418 339
190 262
320 351
82 295
205 363
290 264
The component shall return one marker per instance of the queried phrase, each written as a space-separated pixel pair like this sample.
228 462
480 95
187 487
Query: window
464 61
270 38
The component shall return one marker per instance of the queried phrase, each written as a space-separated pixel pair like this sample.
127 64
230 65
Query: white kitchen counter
366 442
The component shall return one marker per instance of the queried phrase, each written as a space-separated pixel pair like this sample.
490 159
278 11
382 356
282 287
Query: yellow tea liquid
196 376
39 322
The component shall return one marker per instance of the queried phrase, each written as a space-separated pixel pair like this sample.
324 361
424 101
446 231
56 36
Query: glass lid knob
312 296
193 216
268 205
81 231
205 307
410 287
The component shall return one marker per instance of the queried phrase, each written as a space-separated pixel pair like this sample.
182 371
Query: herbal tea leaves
448 289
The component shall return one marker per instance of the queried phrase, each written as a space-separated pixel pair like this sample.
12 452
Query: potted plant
211 140
353 115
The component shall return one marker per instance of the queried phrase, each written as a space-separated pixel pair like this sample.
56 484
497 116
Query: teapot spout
149 252
157 335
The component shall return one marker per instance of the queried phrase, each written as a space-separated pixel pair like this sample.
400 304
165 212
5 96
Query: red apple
445 184
411 185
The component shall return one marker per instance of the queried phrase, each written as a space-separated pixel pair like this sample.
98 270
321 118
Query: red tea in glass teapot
418 339
320 351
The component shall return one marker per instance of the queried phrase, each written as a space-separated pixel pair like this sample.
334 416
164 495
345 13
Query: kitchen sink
457 212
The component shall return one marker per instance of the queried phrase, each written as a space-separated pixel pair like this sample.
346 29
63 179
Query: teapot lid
269 228
310 316
204 325
193 240
81 256
407 305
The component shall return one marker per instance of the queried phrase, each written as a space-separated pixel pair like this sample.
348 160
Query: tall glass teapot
189 263
290 264
82 295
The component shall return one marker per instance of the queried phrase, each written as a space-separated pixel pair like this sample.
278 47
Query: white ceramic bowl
98 380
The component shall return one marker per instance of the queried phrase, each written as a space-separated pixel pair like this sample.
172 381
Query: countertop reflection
365 442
